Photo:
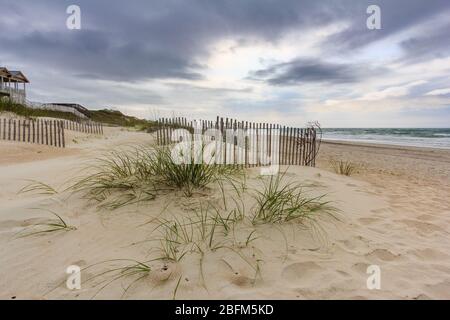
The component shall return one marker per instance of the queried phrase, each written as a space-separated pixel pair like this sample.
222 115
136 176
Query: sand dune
392 213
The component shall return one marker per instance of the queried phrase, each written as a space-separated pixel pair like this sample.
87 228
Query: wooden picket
38 131
296 146
89 127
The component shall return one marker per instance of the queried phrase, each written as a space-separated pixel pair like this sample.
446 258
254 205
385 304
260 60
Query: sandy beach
393 213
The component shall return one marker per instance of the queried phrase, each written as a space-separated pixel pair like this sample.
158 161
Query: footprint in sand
382 254
381 210
429 254
366 221
440 290
360 267
299 270
424 227
241 280
426 217
355 243
80 263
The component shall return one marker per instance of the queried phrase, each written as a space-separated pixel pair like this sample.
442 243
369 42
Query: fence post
234 128
314 147
55 134
63 138
39 131
51 132
23 130
46 132
28 129
269 141
14 130
157 132
58 125
34 133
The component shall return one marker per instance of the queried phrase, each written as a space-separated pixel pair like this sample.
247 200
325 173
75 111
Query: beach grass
346 168
125 177
142 174
38 187
50 226
138 269
280 202
6 105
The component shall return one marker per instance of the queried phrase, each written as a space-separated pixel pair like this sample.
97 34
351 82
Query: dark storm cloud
309 70
172 39
395 16
95 54
169 39
428 46
140 39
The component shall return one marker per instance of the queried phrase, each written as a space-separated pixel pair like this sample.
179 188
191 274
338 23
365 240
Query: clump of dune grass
207 229
51 226
343 167
180 236
126 174
121 178
188 175
176 235
280 202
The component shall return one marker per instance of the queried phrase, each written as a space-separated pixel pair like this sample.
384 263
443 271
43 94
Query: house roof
18 76
4 72
13 76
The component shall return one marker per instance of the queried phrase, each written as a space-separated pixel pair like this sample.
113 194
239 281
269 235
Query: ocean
416 137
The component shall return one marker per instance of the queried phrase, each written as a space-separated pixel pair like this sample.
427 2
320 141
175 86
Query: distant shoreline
383 144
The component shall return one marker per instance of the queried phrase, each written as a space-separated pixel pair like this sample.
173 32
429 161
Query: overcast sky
284 61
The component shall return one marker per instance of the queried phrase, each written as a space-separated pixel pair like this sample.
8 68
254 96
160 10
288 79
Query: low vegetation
122 178
117 118
280 202
346 168
132 268
203 227
21 110
50 226
112 117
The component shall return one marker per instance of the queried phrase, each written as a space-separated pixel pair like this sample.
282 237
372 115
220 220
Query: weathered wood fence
39 131
90 127
244 142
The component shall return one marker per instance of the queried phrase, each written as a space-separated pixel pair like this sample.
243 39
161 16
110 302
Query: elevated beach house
13 85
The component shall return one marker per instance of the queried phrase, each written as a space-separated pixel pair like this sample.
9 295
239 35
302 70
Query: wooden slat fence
38 131
244 142
89 127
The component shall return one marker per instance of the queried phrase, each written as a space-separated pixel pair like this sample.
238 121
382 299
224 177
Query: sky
277 61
